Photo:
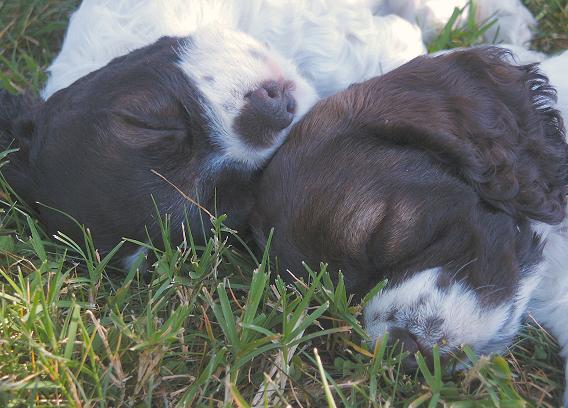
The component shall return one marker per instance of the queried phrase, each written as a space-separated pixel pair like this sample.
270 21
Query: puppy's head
204 112
430 176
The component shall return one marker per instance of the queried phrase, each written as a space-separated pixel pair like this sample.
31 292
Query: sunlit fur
334 43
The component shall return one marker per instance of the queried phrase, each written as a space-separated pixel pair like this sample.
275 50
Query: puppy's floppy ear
494 124
17 129
522 151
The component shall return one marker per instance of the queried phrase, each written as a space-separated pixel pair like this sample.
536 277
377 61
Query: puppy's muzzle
273 104
402 340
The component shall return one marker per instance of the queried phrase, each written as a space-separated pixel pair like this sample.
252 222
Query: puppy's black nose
402 340
273 104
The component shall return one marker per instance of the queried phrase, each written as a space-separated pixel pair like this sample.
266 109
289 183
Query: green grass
455 34
211 325
30 36
550 36
552 17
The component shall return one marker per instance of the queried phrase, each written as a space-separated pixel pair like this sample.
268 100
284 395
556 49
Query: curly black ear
490 121
523 155
17 129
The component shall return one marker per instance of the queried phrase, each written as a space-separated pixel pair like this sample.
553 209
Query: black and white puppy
434 176
204 112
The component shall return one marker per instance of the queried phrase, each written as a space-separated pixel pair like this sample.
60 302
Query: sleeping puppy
195 116
437 176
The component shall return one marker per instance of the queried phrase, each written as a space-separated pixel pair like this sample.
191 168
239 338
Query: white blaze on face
226 65
449 316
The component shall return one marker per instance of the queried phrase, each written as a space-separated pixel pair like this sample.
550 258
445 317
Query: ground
201 328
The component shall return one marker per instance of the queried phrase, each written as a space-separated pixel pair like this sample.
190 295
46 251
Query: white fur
229 57
514 21
101 30
128 261
462 319
333 42
549 304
